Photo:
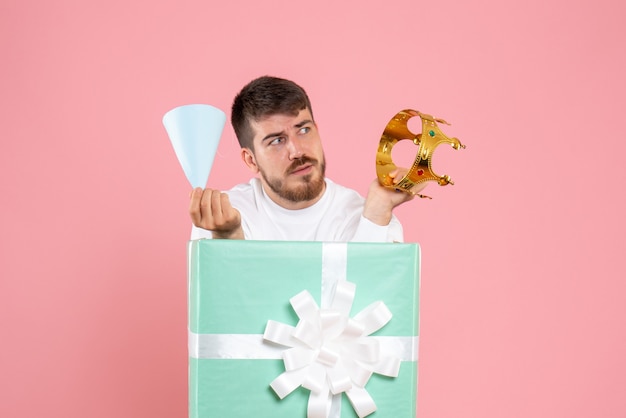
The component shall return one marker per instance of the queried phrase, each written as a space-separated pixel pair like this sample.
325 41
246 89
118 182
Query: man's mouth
304 167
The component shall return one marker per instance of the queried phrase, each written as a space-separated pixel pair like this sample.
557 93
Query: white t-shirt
337 217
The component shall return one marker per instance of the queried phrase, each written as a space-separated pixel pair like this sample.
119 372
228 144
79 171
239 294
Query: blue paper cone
195 132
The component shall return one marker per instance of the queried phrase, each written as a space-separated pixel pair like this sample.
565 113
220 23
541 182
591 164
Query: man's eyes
277 140
281 139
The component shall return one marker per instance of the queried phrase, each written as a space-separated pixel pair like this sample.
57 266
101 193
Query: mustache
298 162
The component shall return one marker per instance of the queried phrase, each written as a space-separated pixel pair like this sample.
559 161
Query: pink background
523 283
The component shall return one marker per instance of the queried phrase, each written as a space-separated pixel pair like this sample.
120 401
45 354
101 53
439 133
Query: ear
248 158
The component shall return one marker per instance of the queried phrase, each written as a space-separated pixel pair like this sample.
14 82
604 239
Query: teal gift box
236 287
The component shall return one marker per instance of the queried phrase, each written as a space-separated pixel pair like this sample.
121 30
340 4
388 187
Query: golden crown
427 141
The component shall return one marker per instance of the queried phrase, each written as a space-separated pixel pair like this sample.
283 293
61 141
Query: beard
310 185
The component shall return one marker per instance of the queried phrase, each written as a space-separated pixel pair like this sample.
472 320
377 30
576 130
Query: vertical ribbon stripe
334 267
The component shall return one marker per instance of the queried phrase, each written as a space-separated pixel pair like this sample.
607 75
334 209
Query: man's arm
381 201
211 209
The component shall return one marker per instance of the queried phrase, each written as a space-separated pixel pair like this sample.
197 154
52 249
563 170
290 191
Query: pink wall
523 285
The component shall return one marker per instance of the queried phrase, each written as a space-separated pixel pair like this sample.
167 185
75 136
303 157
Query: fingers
194 206
204 207
226 209
211 209
397 174
220 208
418 188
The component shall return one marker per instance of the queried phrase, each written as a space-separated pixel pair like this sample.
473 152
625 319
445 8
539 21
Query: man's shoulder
245 188
340 191
246 195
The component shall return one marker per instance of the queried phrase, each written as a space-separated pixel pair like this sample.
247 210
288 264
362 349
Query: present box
236 287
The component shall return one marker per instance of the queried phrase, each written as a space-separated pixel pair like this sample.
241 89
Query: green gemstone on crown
431 133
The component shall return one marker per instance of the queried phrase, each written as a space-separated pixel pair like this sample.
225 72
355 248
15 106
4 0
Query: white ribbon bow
330 352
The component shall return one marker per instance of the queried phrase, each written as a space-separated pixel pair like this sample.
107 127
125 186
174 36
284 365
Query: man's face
289 156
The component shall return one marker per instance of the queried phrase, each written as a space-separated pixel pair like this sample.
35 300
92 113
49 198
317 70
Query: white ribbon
329 353
252 347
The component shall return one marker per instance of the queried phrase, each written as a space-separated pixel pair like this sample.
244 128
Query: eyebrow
281 133
304 122
273 135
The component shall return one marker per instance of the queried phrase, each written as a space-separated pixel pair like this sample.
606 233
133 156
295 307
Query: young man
291 199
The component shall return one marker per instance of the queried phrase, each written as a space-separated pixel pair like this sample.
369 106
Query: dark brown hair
265 96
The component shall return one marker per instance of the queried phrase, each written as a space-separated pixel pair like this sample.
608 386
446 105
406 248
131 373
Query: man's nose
296 150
